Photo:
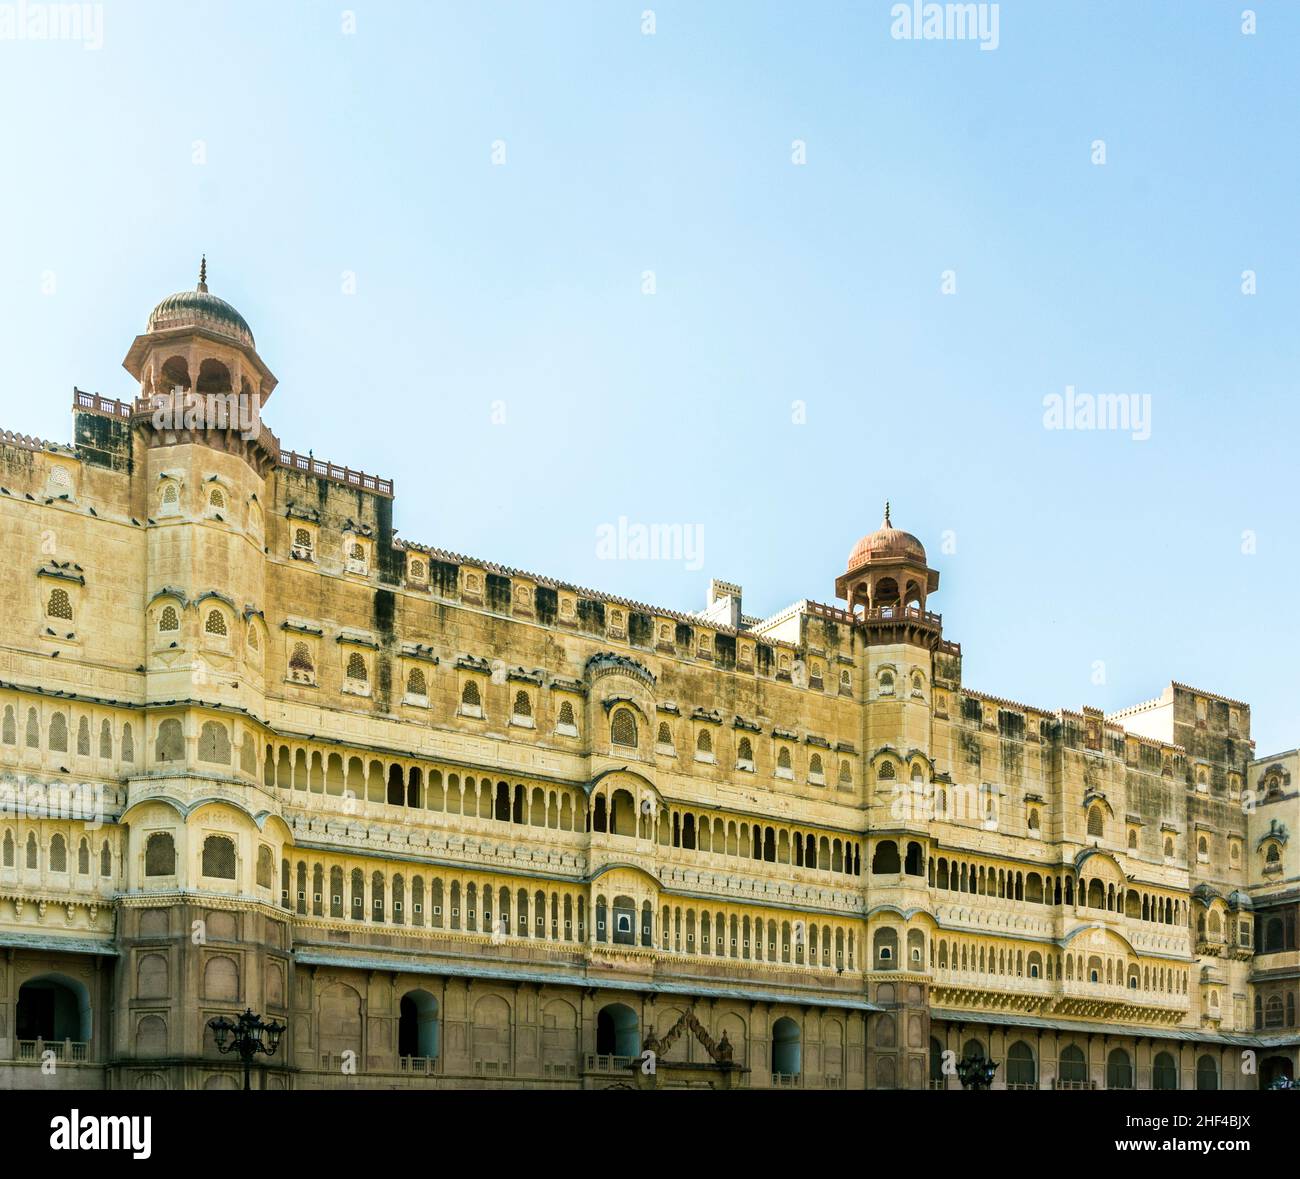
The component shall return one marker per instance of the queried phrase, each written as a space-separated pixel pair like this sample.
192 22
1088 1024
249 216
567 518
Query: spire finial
887 523
203 273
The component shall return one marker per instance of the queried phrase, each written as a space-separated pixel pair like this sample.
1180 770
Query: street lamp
248 1037
975 1072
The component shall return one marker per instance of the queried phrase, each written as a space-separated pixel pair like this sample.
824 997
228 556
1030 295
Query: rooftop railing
335 473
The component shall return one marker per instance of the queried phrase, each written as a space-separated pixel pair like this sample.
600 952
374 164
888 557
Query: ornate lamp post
248 1037
975 1072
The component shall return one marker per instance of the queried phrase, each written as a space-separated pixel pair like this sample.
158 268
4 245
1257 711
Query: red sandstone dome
886 541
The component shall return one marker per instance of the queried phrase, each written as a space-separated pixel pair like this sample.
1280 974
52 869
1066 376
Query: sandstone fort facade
458 825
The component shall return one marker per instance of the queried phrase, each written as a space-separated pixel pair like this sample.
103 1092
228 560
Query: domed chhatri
887 569
886 541
198 308
198 342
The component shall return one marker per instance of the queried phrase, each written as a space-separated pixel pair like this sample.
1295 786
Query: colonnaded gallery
457 825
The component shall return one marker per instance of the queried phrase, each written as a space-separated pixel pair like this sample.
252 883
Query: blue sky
518 286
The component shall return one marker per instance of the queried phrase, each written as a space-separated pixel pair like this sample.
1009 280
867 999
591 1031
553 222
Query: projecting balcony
600 1062
1057 994
422 1066
64 1051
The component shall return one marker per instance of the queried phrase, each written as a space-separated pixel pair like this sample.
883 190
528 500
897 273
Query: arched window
885 862
1119 1070
665 737
1021 1072
566 721
415 683
357 668
250 638
622 729
1132 840
214 743
1096 822
169 620
170 743
59 733
617 1031
745 753
170 496
1072 1070
301 669
58 853
523 706
846 774
219 857
886 683
417 1028
217 500
215 624
159 854
469 695
886 771
1169 847
783 761
302 544
59 604
1033 819
786 1048
704 743
816 774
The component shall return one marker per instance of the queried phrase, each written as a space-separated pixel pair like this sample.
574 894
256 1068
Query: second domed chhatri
887 569
886 541
199 308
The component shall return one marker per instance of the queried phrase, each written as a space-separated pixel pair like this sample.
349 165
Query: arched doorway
417 1029
786 1050
1073 1068
53 1008
1273 1067
1207 1072
937 1078
1164 1073
1021 1072
1119 1070
617 1031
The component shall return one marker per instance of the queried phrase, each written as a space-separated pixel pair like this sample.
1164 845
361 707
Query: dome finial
887 523
203 273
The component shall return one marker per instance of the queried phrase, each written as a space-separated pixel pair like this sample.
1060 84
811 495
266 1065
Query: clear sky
297 145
